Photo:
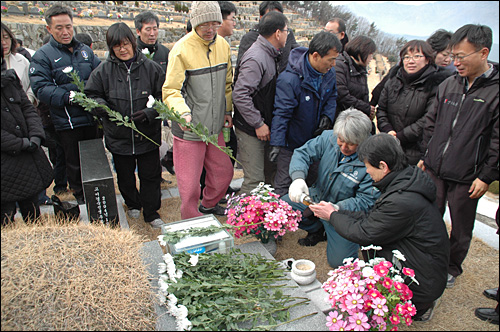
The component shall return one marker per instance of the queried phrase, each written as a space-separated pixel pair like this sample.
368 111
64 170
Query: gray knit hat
205 11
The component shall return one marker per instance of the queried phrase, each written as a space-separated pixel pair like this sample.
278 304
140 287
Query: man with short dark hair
146 26
253 98
52 86
404 218
305 102
337 26
229 11
460 137
251 36
84 38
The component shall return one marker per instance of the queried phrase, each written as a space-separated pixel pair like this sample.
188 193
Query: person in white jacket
17 61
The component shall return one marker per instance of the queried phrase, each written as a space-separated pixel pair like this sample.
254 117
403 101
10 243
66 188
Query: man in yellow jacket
198 86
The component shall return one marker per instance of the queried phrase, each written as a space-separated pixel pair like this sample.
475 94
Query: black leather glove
273 154
324 124
99 112
145 115
34 144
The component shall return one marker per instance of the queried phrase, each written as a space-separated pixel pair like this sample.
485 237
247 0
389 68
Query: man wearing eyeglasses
198 87
253 97
337 26
461 137
229 11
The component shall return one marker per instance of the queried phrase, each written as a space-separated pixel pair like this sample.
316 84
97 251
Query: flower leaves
221 294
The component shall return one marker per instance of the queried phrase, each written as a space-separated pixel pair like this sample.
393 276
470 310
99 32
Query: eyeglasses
415 57
461 58
231 19
125 45
285 30
332 31
206 27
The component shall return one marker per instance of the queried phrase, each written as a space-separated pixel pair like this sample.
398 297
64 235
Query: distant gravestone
25 8
14 10
100 15
162 19
4 4
34 11
131 16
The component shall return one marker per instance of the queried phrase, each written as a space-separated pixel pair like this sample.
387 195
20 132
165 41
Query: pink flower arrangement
262 214
369 296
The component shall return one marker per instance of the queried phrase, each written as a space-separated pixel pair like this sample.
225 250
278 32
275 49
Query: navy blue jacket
52 86
298 106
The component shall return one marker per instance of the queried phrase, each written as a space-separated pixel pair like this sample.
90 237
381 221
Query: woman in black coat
352 80
404 218
408 96
25 170
123 83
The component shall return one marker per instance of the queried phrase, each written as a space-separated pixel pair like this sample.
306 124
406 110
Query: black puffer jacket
402 108
127 91
352 85
24 174
405 218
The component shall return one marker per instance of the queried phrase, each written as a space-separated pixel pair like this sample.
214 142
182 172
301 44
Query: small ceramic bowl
303 271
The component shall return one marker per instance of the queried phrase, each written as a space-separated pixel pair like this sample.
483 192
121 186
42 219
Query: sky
413 3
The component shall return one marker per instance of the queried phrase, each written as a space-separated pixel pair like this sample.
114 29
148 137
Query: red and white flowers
262 214
369 296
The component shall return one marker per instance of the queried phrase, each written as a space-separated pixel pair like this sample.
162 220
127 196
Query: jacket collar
75 44
274 52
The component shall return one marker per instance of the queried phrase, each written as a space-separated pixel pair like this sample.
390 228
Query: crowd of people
301 119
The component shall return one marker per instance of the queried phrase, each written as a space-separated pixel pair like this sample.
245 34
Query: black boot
313 239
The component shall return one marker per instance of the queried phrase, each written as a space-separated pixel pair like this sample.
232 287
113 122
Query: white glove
297 188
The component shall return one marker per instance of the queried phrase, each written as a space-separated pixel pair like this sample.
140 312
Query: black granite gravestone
98 183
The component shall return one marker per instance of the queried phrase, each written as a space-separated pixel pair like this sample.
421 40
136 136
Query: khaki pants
254 157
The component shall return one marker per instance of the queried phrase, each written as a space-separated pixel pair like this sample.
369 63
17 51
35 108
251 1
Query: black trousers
463 216
57 158
69 142
30 210
148 196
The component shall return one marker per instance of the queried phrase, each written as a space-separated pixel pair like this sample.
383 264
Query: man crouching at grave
198 87
124 82
342 180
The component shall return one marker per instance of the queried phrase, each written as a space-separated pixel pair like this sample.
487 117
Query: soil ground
456 308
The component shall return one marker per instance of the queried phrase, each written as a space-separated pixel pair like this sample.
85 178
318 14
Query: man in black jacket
251 36
461 137
404 218
52 85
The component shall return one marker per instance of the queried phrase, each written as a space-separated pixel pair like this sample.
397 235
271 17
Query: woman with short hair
123 83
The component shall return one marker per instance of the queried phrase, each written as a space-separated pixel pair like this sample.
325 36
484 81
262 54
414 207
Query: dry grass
72 276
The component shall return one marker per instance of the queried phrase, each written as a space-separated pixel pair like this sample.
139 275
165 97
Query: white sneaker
157 223
134 213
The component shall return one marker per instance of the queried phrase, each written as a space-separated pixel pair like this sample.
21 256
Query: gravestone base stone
98 183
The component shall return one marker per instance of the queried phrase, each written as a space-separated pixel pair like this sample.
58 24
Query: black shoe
48 201
313 239
217 210
427 315
223 200
80 200
491 293
231 190
487 314
165 181
169 165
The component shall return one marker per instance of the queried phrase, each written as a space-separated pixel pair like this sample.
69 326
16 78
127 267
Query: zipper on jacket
476 161
453 126
131 103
